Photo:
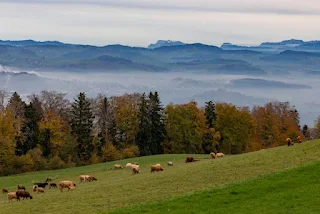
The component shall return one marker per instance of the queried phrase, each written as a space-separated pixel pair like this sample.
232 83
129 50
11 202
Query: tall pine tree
209 143
144 135
81 124
33 115
157 126
210 113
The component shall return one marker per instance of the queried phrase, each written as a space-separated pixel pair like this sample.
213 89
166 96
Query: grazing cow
190 159
34 188
220 155
156 168
21 187
42 185
117 166
54 185
4 190
128 165
40 190
23 194
289 141
212 155
170 163
299 139
66 184
135 170
12 195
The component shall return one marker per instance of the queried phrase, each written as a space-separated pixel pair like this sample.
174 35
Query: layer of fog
182 87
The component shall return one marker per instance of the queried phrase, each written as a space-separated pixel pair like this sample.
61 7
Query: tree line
50 132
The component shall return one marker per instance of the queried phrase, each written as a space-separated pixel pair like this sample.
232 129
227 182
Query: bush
130 152
95 159
110 153
39 161
56 163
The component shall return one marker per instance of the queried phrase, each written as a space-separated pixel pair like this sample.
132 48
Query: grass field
119 188
293 191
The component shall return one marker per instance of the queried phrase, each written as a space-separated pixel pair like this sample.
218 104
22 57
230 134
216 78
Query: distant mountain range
163 56
292 44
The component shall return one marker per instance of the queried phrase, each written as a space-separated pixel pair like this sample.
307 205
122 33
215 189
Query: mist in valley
176 87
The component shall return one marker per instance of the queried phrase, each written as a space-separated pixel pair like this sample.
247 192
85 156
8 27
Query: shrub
56 163
130 152
39 161
94 159
110 153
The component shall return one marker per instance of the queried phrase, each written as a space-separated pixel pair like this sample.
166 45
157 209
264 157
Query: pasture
119 188
292 191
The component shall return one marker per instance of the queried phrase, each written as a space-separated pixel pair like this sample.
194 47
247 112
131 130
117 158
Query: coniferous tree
209 143
16 105
157 126
210 113
81 124
30 128
144 135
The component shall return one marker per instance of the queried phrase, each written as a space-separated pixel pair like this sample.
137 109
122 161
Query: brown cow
220 155
66 184
190 159
4 190
289 141
212 155
23 194
299 139
156 168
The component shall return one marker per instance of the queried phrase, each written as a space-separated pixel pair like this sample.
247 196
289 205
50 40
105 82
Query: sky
141 22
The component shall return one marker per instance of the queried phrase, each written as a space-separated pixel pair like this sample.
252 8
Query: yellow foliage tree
58 133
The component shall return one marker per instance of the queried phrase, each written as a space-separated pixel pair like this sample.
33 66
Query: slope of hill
292 191
119 188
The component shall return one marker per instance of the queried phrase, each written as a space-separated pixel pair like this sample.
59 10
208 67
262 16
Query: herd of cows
39 187
70 185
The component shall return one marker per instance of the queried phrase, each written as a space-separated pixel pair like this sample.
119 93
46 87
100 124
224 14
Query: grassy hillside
120 188
293 191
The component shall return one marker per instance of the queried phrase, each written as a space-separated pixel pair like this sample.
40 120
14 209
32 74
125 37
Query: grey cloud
308 7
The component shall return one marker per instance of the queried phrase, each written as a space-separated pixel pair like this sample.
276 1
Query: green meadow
278 180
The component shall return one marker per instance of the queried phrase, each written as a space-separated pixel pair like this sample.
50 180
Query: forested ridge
50 132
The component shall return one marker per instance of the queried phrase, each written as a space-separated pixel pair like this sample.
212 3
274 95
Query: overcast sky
141 22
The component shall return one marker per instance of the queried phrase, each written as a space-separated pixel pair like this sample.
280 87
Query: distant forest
50 132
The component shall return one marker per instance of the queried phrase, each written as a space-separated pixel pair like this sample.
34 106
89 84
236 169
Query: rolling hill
119 188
